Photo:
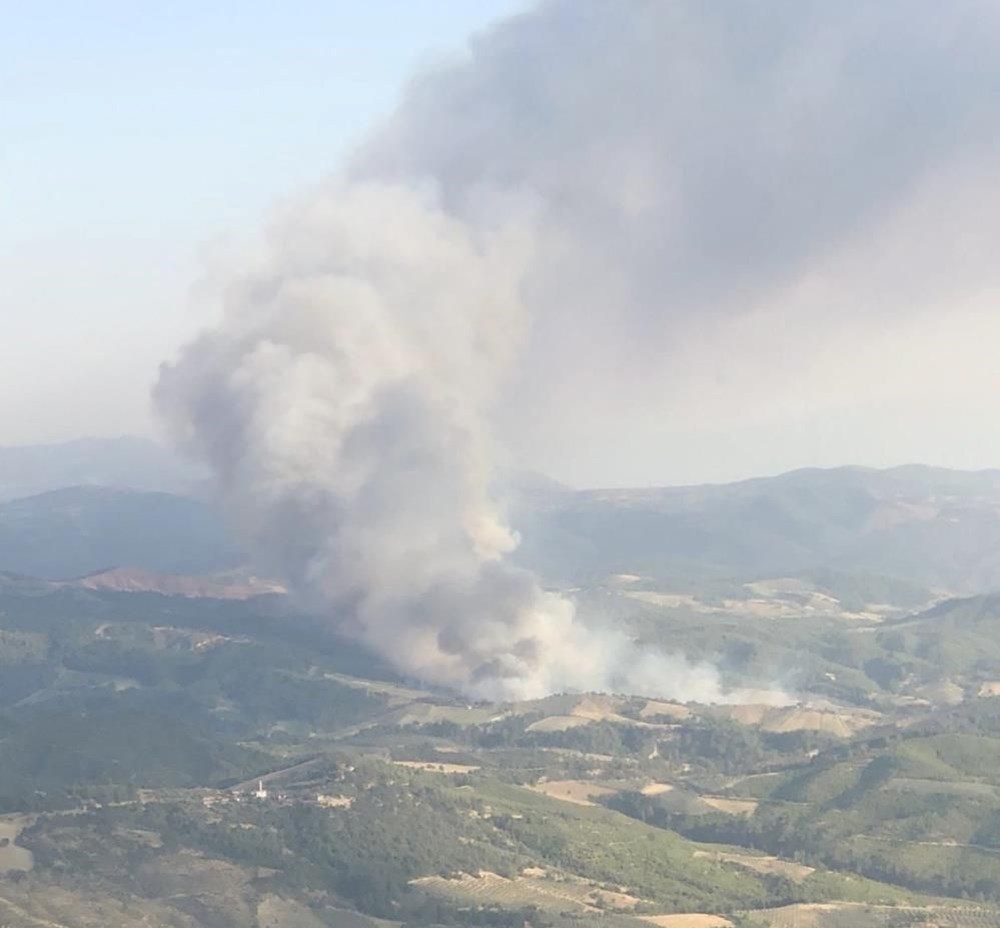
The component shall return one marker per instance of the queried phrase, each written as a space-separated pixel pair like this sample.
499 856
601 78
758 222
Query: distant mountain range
103 504
935 527
82 530
229 584
126 463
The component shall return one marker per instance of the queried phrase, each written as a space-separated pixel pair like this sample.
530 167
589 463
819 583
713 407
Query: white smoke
595 173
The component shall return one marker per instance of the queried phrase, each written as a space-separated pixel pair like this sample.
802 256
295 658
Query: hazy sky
138 141
140 145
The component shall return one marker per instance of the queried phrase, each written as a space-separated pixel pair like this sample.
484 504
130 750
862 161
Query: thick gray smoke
594 173
343 407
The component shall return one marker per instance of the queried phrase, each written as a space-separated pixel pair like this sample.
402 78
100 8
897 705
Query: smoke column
593 172
342 407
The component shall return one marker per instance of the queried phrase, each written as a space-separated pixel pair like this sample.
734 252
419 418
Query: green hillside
79 530
134 729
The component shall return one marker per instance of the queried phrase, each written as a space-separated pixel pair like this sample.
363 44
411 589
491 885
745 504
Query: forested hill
931 526
80 530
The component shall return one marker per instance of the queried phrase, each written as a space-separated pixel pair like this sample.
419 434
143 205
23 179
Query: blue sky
135 137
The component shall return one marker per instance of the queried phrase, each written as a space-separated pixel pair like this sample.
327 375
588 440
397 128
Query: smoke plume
343 408
591 181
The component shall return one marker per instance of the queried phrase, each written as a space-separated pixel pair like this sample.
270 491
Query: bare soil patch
546 892
764 865
558 723
731 806
435 766
657 708
13 858
687 920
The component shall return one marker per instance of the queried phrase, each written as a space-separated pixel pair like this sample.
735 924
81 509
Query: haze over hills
79 530
930 527
123 462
